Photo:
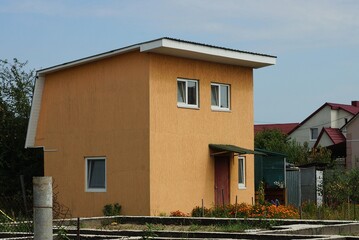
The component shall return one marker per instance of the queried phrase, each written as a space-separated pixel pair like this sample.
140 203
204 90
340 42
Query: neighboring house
334 140
329 115
351 130
285 128
156 127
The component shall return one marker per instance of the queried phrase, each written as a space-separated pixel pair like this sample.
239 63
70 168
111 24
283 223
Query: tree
276 141
16 88
340 186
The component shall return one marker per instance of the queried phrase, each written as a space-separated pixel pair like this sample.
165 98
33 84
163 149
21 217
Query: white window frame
91 189
219 108
311 131
186 104
242 185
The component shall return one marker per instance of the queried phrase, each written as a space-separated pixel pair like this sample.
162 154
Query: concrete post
42 187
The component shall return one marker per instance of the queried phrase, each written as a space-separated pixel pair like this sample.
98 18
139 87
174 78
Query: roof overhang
225 148
183 49
208 53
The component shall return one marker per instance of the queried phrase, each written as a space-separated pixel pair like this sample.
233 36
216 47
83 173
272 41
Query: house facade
134 126
351 130
329 115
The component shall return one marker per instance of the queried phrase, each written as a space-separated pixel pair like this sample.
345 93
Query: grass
232 227
344 211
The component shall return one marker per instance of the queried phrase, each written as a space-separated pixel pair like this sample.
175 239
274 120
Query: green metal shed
270 168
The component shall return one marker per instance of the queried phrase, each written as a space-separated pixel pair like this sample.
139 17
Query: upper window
313 133
241 172
220 98
96 174
187 93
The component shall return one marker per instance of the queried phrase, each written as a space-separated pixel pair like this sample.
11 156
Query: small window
313 133
241 172
187 93
96 174
220 97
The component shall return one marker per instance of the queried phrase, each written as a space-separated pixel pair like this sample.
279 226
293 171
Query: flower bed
242 210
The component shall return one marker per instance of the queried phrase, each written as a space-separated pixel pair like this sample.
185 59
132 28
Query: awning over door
232 148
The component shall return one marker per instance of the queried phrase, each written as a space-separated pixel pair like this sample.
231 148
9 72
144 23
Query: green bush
199 212
112 209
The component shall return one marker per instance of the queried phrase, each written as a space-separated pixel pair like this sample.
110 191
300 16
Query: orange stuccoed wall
181 168
157 157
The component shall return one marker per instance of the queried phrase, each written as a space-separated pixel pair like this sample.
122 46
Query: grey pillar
42 187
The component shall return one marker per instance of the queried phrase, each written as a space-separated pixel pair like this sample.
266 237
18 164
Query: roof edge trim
34 113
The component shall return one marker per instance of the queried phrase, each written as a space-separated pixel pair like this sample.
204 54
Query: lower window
241 172
95 174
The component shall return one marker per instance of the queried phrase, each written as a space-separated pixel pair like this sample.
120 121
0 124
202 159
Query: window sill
217 109
241 187
188 106
96 190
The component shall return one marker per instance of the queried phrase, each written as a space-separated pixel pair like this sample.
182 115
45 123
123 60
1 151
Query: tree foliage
340 186
16 88
276 141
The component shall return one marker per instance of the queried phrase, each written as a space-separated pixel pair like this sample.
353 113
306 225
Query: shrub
199 212
111 209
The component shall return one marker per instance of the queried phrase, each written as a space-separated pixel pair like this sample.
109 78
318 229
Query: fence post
202 208
78 229
23 193
235 214
42 188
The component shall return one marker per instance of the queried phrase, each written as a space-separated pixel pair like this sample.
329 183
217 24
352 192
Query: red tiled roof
349 108
283 127
333 133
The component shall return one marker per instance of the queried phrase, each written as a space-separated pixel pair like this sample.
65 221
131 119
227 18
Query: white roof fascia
35 112
207 53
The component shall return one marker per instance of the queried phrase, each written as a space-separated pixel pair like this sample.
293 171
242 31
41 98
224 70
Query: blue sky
317 42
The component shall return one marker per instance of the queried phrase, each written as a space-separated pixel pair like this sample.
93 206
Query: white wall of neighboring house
319 120
352 132
325 140
338 118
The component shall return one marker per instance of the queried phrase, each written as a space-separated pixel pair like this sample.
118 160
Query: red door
221 182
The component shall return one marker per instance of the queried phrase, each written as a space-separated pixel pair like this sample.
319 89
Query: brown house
155 126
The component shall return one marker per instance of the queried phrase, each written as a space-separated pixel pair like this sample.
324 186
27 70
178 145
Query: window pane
241 171
224 96
314 133
214 95
96 173
181 91
192 92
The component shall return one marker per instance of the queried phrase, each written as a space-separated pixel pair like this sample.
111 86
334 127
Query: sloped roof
165 46
349 108
232 148
335 106
180 48
283 127
335 135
